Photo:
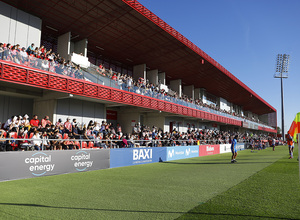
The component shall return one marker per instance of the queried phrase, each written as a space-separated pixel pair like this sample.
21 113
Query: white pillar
162 78
197 93
139 71
189 91
152 76
176 86
64 45
81 47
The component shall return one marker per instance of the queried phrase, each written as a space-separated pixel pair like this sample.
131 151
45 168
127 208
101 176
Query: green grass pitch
261 185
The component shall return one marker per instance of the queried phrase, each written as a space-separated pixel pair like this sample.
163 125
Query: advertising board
133 156
182 152
205 150
28 164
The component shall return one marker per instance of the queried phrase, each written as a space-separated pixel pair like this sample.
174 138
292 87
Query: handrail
115 143
97 78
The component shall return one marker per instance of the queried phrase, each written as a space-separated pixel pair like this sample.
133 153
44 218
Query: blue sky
245 37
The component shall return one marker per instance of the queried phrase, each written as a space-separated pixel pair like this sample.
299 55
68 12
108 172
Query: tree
278 130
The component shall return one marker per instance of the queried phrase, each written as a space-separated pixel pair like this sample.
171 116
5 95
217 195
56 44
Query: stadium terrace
120 64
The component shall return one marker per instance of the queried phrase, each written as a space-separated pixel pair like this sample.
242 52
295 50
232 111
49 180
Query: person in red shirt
34 122
45 121
68 126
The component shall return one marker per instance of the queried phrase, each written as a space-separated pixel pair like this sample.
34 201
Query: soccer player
233 149
291 145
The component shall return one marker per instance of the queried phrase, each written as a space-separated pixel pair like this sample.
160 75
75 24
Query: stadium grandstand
111 74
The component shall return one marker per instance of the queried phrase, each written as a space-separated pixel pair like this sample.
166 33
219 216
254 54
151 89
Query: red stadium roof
129 33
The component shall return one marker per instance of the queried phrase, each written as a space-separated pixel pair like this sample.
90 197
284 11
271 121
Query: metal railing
22 144
92 74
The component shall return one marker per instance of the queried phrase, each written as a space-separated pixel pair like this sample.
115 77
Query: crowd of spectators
41 58
23 133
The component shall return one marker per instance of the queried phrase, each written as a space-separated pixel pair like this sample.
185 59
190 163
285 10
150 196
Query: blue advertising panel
134 156
182 152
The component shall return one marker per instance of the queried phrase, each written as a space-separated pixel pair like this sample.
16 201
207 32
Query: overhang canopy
131 34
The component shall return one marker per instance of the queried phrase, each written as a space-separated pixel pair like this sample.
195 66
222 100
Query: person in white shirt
36 140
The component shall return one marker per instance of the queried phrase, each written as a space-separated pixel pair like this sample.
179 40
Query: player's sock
291 154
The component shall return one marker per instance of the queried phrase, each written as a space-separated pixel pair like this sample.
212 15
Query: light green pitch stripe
151 191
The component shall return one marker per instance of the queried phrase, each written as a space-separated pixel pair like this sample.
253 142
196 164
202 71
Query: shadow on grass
185 214
192 163
199 215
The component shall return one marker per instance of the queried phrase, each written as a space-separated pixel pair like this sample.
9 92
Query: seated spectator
1 50
45 142
8 124
55 144
24 55
30 49
67 126
68 143
34 122
45 121
59 125
2 136
76 132
36 140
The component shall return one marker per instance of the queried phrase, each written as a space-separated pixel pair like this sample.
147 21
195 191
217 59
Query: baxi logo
142 155
82 160
40 163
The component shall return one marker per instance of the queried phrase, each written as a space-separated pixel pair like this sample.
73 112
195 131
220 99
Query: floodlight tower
282 67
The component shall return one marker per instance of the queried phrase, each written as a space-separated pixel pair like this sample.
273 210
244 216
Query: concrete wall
152 76
80 47
176 86
162 78
189 91
19 27
127 117
139 71
83 111
154 119
11 106
64 45
41 108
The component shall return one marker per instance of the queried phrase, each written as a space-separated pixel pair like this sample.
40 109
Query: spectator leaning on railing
47 60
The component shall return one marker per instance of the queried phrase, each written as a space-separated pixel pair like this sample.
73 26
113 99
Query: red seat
31 135
14 144
77 143
91 145
84 145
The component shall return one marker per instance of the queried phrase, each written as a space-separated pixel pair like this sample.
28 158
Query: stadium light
282 66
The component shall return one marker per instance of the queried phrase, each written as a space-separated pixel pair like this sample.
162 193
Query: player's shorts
291 146
233 150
